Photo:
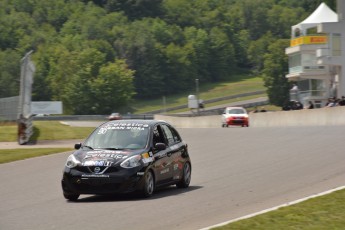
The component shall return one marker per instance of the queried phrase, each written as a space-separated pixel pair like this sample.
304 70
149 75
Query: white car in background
235 116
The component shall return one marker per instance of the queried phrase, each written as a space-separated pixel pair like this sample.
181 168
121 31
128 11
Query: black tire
186 176
149 184
71 197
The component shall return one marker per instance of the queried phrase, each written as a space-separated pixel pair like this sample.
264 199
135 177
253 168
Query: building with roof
315 56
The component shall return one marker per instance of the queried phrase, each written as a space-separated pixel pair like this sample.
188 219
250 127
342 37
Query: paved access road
236 171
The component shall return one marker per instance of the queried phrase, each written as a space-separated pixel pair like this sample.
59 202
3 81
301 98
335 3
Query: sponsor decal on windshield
123 126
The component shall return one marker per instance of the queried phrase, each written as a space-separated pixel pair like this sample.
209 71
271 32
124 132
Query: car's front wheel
186 176
149 184
71 197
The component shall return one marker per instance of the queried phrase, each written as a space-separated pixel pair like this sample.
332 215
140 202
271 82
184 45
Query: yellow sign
308 40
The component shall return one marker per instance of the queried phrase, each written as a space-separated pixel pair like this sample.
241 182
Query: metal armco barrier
25 129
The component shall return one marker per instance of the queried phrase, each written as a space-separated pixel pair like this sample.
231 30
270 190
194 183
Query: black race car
126 156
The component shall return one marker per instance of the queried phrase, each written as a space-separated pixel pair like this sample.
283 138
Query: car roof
141 121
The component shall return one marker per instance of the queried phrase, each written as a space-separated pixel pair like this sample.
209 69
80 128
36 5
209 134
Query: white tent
322 14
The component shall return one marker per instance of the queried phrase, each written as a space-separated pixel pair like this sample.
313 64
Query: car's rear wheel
186 176
149 184
71 197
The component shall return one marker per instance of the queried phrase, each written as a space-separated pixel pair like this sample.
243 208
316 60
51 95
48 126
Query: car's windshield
236 111
119 136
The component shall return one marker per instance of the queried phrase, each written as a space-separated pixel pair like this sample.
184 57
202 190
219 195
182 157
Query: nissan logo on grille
97 169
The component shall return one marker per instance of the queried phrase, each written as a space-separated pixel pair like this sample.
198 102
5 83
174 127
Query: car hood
103 157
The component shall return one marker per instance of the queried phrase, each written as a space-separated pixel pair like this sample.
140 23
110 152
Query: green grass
45 130
9 155
324 212
240 84
57 131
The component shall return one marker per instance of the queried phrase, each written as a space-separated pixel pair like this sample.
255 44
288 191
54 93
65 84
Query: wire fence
9 108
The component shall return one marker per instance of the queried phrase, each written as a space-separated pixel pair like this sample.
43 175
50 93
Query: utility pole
197 93
164 105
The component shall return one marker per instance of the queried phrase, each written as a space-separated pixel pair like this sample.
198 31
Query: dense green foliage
96 56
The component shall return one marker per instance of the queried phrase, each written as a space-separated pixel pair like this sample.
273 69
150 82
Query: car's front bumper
75 182
241 122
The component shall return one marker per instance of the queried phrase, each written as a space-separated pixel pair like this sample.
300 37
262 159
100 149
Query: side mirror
77 146
160 146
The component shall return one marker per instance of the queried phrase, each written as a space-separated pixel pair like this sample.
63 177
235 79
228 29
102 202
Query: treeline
96 56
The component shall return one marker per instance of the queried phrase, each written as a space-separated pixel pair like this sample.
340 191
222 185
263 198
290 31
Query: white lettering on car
122 126
104 154
97 163
94 175
165 171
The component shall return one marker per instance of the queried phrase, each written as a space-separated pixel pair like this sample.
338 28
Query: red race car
237 116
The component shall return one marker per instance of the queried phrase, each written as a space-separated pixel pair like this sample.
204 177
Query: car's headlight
131 162
72 161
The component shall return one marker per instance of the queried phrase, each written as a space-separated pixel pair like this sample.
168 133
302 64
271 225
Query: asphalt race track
235 172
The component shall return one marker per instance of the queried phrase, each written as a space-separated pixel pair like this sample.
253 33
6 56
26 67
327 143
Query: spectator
286 106
328 102
297 105
342 101
311 105
331 102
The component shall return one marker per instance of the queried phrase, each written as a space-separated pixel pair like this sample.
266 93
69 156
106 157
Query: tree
139 47
221 61
257 49
275 69
134 9
180 73
281 19
168 43
197 43
9 73
113 88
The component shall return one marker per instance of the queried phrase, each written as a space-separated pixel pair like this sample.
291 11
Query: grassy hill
237 85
